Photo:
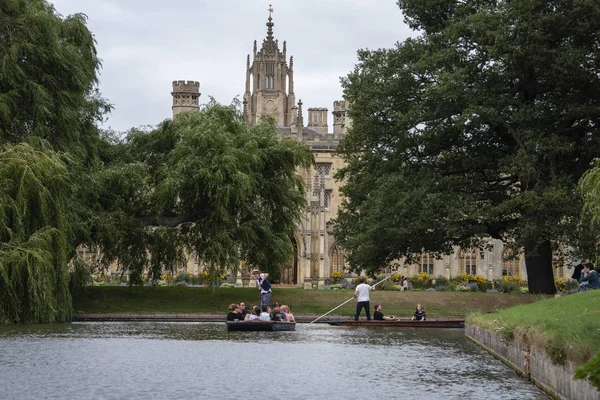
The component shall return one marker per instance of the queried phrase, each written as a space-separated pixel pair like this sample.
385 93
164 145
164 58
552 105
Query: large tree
48 113
205 183
480 127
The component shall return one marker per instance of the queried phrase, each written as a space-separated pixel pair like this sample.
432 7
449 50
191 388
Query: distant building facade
270 91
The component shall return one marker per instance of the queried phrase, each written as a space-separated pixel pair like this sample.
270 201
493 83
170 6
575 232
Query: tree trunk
540 276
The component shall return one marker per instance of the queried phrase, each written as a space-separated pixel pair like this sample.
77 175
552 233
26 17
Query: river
151 360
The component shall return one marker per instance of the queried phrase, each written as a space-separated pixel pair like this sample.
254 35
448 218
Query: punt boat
258 326
403 323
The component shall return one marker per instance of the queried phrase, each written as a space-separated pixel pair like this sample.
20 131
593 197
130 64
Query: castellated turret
341 121
186 96
317 119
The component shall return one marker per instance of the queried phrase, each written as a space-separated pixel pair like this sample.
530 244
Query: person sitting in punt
234 313
378 315
244 310
255 316
276 314
264 315
282 315
419 314
289 317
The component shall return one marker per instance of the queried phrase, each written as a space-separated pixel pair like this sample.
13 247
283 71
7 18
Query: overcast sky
146 44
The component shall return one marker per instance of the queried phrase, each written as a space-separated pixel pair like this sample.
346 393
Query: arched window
338 260
468 261
426 264
510 266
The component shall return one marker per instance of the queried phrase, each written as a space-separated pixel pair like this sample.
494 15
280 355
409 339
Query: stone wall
534 364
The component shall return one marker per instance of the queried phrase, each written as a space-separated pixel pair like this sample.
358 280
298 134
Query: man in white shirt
362 296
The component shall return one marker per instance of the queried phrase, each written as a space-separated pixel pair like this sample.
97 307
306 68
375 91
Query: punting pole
352 298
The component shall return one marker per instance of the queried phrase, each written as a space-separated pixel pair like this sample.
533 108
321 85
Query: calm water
132 360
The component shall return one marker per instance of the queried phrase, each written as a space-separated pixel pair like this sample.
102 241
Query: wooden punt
430 323
260 326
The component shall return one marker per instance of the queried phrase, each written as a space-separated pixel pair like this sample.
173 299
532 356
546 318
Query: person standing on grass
262 283
362 298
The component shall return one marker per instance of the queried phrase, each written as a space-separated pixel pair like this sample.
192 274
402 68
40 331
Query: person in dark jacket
590 279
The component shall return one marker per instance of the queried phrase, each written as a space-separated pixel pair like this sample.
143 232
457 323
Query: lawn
314 302
566 327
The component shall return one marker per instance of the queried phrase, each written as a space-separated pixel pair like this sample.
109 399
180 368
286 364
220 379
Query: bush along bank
554 342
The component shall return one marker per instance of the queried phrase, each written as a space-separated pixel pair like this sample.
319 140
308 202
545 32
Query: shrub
183 276
441 282
591 371
421 281
336 276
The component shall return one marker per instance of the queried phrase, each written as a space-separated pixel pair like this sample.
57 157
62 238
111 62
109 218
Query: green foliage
33 236
590 371
477 128
205 183
183 277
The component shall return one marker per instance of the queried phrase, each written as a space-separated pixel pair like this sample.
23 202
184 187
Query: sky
144 45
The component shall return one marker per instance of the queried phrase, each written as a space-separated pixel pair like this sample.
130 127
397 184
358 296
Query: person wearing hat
362 298
262 283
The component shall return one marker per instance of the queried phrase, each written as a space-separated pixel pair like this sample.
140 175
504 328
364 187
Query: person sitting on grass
378 315
590 279
419 314
289 317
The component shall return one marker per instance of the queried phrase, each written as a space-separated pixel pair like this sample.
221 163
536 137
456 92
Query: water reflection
139 360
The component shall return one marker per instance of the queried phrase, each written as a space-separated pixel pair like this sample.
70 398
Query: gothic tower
272 82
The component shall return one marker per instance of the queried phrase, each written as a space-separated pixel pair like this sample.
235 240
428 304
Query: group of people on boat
275 312
362 295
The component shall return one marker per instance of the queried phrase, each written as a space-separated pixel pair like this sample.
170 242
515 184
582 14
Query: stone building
269 91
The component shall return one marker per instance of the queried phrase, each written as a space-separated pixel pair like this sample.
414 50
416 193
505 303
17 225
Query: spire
270 24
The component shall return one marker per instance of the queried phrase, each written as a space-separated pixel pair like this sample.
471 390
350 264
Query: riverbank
545 341
183 300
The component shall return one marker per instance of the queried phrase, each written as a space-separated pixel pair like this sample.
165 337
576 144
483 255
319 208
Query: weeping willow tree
49 108
204 183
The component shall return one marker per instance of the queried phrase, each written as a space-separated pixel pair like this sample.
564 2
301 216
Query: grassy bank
201 300
567 327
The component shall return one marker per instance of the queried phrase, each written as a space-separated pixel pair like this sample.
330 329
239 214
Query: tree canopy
48 113
207 184
478 128
204 183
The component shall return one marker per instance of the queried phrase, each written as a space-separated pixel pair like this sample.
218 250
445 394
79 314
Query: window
510 266
324 169
327 199
269 81
468 261
559 260
338 260
426 264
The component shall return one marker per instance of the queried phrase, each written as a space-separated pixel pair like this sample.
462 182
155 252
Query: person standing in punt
419 314
378 315
362 298
262 283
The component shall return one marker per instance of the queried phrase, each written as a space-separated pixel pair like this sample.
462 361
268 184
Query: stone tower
341 121
269 82
186 95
